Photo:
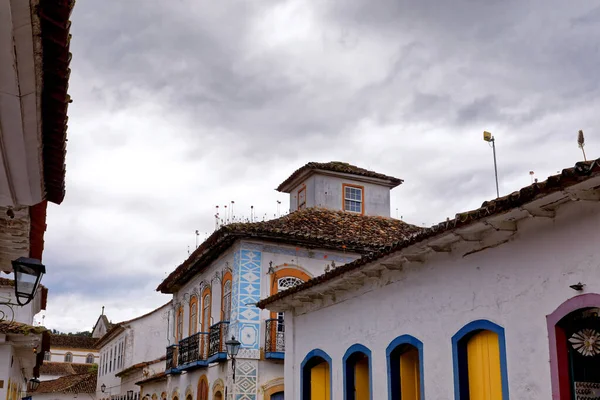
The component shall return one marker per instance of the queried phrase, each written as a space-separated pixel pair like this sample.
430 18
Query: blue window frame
393 353
354 354
459 356
312 359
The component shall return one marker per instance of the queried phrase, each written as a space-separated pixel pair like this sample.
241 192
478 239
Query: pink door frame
559 363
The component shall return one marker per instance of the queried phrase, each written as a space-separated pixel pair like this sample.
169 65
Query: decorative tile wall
246 376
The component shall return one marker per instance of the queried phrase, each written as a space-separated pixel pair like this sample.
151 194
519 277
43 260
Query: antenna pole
495 167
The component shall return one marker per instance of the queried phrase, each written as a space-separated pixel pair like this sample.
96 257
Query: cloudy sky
183 105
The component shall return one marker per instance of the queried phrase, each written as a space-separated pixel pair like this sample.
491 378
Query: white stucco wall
57 354
63 396
23 314
145 339
326 191
515 286
10 374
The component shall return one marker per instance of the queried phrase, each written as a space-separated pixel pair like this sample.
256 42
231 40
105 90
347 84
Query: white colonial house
500 303
129 352
34 74
339 213
72 349
21 342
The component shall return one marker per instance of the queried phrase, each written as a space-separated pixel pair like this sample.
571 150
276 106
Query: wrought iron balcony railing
171 357
218 337
274 337
193 348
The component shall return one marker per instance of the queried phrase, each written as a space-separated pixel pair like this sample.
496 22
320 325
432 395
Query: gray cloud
181 106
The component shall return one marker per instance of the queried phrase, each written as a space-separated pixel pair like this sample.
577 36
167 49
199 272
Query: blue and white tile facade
245 318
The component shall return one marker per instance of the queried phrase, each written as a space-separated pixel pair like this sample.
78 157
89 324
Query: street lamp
130 395
233 346
103 388
489 138
28 273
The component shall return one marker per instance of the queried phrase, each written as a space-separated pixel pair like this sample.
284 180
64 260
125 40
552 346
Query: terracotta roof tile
311 227
61 368
73 342
338 166
569 176
81 383
19 328
55 34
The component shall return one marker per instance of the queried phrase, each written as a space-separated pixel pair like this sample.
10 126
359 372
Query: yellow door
319 382
361 379
410 380
483 355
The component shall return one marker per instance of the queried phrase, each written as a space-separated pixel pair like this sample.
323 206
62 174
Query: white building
20 342
339 212
72 349
502 302
126 349
34 74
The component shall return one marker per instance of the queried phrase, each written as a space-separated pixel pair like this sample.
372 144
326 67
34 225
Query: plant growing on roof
581 143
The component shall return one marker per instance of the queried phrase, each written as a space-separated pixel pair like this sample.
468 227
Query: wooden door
410 379
485 378
319 382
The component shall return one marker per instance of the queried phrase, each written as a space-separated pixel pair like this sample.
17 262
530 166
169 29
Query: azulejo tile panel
246 384
245 314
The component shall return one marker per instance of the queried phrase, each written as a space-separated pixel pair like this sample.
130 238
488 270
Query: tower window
353 199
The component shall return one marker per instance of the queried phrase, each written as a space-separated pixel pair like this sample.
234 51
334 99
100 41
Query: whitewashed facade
219 301
126 344
515 273
20 342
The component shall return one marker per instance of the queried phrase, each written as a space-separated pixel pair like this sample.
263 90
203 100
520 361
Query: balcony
274 339
193 351
217 350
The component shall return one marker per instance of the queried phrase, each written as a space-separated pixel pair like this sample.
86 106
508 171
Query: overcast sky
183 105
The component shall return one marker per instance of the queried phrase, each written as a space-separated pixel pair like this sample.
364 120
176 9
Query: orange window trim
204 293
193 322
177 323
226 277
284 273
362 203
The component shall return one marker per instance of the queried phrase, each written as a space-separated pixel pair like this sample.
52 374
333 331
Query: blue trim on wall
459 342
352 350
316 353
392 379
275 355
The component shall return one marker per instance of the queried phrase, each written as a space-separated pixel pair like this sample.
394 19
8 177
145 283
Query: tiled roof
61 368
311 227
81 383
8 327
73 342
338 166
137 366
55 35
569 176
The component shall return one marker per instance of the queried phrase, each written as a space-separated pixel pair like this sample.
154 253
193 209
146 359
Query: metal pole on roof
489 138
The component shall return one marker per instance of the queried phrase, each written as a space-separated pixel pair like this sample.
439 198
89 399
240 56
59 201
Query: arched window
206 310
357 373
203 388
179 325
226 299
89 359
193 323
405 368
47 356
68 357
574 333
479 353
315 378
